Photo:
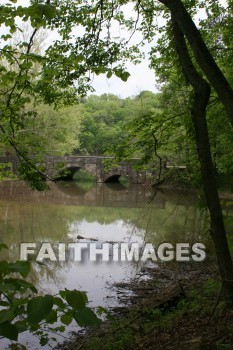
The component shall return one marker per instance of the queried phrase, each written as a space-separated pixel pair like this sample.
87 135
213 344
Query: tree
184 26
201 100
202 54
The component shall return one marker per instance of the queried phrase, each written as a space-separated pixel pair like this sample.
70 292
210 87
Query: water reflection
104 212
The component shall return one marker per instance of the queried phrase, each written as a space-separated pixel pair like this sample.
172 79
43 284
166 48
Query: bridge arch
117 179
68 172
113 178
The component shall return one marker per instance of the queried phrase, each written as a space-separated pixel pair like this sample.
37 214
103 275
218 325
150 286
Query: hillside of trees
144 126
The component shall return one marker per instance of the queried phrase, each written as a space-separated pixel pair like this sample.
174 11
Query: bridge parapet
67 166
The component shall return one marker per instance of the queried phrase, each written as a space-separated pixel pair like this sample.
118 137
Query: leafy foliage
22 309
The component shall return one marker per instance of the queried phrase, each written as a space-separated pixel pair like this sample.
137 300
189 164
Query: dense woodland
45 107
137 126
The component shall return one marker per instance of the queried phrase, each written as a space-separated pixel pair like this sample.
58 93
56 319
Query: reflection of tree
171 216
24 222
178 221
42 275
75 188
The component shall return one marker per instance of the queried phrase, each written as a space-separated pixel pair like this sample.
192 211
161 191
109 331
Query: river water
103 212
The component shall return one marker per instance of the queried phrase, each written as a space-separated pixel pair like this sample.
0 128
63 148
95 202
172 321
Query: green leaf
49 11
75 298
44 340
124 76
52 317
118 72
19 302
66 318
4 303
101 310
13 29
6 315
6 37
15 284
38 308
4 267
109 74
86 317
9 331
21 325
22 267
3 246
58 301
60 328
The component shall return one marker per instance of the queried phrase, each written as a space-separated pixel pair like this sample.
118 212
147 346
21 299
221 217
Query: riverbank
178 306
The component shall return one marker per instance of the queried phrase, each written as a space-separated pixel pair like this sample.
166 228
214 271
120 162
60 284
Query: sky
141 78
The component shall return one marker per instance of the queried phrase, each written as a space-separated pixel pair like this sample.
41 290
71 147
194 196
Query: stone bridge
65 167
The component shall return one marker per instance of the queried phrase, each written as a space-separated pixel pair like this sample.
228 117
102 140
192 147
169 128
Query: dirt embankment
175 306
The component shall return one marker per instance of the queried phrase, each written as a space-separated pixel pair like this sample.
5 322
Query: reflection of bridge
65 167
71 194
99 195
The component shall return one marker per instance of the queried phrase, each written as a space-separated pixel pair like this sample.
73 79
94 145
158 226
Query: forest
50 52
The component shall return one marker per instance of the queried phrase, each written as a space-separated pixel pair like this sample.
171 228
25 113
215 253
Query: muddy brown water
103 212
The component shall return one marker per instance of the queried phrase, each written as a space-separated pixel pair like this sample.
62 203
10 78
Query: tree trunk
201 99
202 54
